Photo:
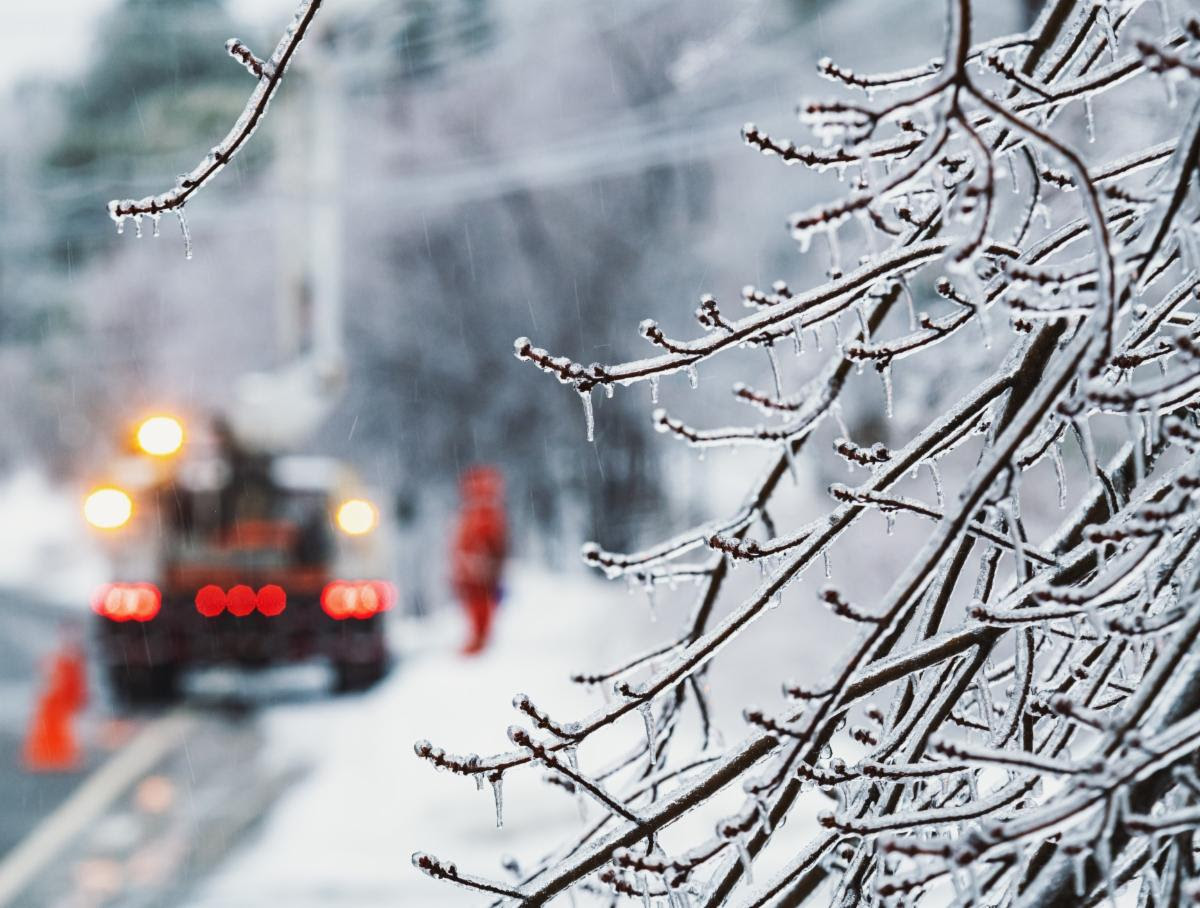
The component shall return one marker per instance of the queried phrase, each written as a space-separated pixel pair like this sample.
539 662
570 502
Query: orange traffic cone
50 745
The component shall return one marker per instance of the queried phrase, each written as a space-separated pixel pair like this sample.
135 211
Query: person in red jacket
477 558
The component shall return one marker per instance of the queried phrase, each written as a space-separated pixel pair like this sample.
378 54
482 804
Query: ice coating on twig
1012 714
269 75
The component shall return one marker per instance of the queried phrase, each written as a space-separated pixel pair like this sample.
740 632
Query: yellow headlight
356 516
108 508
160 436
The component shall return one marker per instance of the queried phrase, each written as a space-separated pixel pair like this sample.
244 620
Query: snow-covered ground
343 836
45 548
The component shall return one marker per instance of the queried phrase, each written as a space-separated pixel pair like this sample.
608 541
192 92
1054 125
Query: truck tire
144 685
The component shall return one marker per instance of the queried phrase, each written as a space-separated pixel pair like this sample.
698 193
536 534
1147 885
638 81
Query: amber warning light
160 436
357 517
108 508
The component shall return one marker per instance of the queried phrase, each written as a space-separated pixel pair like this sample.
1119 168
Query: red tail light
210 601
271 600
241 600
356 598
127 601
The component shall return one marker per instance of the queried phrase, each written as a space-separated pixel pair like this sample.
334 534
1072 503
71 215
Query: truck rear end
227 558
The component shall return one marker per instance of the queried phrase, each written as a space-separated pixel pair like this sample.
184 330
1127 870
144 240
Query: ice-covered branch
1042 620
269 75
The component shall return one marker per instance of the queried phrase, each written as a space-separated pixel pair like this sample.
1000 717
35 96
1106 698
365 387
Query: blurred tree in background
157 87
506 169
432 34
481 271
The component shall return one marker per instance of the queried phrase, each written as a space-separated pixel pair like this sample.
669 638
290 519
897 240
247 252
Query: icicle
973 784
790 453
817 337
937 483
912 308
974 894
589 417
890 521
650 599
187 234
798 335
836 409
984 320
828 567
693 376
744 856
137 223
654 389
608 390
863 324
774 360
1139 459
1172 93
1009 510
497 781
835 252
1091 119
837 334
648 721
644 882
154 219
1085 440
1060 474
885 373
1078 862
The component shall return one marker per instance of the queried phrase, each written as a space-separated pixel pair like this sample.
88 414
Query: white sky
54 36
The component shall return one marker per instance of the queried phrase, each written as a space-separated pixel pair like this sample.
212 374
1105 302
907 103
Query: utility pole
326 210
282 408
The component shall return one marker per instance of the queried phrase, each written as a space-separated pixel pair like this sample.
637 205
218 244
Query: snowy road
263 789
28 633
345 835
